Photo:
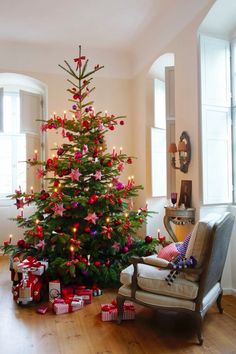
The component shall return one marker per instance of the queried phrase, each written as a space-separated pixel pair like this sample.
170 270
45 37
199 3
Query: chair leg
120 307
218 302
198 319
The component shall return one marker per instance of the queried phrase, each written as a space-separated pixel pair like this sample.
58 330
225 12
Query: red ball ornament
92 199
85 124
87 230
148 239
97 263
141 220
122 122
125 249
109 163
21 243
129 161
60 151
111 127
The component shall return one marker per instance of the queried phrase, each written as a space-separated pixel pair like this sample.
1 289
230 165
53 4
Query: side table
177 216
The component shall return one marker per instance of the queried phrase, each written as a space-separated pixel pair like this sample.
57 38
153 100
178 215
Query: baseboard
229 291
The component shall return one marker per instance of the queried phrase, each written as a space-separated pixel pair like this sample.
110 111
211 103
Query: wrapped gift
36 267
41 269
61 306
67 291
54 290
85 294
110 311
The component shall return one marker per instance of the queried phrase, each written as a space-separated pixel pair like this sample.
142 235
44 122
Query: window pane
6 166
160 104
21 164
11 113
158 140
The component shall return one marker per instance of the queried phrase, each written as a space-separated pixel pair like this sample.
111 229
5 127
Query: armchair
194 290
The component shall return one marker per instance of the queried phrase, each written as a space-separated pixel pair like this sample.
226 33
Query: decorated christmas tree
84 223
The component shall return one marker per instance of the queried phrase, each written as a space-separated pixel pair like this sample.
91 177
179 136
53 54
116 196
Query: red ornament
97 263
85 124
87 230
92 199
109 163
21 243
125 249
60 151
148 239
129 161
122 122
141 220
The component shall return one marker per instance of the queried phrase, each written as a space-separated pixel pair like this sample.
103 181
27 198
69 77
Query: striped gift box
109 311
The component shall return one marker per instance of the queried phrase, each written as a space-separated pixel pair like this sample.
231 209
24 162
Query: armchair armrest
150 260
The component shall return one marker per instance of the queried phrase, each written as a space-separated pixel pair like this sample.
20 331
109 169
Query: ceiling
113 24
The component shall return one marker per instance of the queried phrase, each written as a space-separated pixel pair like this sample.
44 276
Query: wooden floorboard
23 331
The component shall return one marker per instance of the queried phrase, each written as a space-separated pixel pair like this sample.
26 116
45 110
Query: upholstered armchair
193 290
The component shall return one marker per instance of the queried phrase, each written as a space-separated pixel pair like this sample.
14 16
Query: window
20 107
158 141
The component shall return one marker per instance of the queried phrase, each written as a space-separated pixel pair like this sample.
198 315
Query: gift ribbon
113 307
30 262
68 301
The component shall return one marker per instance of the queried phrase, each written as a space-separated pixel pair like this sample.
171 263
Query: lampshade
172 148
182 146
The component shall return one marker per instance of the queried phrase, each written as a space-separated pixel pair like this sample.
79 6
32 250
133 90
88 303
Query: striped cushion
169 252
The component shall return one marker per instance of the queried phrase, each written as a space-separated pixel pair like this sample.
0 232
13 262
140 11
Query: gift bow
30 262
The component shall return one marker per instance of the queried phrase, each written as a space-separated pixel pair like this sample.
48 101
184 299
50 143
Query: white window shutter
170 92
1 109
30 112
217 171
216 121
215 72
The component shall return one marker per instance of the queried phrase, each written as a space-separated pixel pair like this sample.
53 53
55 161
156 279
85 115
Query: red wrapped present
36 267
67 291
86 294
110 311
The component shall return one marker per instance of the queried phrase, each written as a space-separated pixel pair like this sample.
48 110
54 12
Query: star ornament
92 217
116 246
58 209
75 174
19 203
98 175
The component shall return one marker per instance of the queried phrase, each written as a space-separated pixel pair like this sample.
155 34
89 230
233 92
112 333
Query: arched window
22 104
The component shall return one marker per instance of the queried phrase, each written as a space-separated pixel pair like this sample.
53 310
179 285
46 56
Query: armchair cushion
153 279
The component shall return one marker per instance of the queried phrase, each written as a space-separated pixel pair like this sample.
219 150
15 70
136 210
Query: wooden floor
23 331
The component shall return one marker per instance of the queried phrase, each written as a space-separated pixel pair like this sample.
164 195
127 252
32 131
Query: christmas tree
84 223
